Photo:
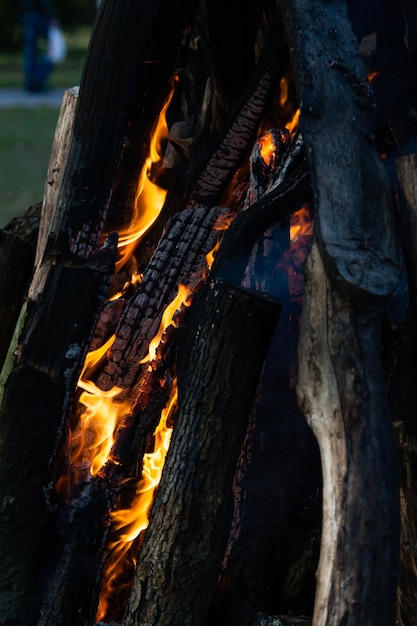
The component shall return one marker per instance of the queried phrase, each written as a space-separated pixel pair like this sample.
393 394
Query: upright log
226 338
341 391
355 267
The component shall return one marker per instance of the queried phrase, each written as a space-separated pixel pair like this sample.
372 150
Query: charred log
226 352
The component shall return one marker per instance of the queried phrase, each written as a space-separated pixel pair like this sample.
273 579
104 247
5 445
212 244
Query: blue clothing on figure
37 16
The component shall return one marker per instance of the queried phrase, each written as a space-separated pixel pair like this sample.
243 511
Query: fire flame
221 224
267 147
292 124
301 224
167 320
93 438
129 523
150 197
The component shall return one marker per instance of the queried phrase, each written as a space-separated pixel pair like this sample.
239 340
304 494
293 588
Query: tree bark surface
220 359
341 392
357 263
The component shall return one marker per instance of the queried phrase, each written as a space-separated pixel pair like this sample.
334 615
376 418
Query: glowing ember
167 320
149 197
92 440
129 523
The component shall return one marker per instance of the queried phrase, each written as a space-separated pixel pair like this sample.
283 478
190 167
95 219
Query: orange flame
92 440
129 523
149 197
167 320
267 147
222 223
292 124
301 224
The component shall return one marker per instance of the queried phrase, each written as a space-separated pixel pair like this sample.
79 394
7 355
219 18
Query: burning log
72 278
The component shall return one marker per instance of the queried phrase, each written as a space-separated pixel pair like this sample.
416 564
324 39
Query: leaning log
72 278
223 347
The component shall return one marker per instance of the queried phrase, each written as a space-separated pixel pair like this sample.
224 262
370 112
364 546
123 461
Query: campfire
207 387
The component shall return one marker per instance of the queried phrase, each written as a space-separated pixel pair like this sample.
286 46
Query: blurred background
27 122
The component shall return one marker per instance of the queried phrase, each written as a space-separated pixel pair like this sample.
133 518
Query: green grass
26 134
25 143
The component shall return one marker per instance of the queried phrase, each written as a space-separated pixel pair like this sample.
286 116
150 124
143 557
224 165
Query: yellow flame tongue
149 197
129 523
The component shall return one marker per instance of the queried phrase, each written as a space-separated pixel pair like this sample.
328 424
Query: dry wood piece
227 334
56 167
341 392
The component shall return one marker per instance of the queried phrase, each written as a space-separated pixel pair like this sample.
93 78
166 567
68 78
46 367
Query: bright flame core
129 523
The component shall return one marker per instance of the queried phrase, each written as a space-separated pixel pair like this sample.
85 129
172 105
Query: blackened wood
403 396
16 259
341 390
76 559
219 362
178 258
233 254
356 228
34 405
225 159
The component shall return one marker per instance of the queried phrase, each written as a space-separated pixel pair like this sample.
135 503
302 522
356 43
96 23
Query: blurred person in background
37 17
